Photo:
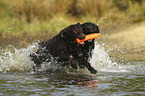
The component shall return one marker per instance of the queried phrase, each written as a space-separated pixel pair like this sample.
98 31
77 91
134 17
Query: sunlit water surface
114 78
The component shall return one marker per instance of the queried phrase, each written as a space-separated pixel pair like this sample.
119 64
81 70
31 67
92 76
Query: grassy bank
32 17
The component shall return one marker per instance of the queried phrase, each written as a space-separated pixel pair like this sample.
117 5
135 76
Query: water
114 78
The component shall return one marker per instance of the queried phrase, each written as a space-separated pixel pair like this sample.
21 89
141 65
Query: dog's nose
82 36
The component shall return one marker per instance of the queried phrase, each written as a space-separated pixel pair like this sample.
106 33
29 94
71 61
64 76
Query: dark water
114 78
108 84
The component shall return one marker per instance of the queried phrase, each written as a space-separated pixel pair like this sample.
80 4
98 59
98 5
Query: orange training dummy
89 37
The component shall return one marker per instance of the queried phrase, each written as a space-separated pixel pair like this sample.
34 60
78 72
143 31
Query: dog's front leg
65 56
89 67
83 61
73 62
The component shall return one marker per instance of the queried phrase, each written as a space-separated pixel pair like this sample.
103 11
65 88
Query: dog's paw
93 71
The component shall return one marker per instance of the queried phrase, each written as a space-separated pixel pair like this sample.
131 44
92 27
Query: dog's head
72 32
89 28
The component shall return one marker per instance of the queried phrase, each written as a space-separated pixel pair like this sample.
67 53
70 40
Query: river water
114 77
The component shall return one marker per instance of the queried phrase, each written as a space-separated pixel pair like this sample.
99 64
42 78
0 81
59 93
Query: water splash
12 59
18 60
102 62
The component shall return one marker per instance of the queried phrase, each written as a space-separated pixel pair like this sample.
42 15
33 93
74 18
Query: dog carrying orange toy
89 37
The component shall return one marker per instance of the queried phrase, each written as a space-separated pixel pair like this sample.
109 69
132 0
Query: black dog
64 48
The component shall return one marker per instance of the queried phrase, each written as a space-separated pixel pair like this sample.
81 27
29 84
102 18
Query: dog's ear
64 33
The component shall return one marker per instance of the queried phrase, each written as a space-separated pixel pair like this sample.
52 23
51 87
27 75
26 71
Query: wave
18 60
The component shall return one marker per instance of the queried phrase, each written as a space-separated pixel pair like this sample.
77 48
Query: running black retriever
63 47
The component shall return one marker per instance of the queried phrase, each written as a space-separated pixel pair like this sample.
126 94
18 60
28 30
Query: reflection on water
113 78
69 84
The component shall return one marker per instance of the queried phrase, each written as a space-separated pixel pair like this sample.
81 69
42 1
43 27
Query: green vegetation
35 17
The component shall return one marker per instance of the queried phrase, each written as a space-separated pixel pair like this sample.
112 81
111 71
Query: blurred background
122 22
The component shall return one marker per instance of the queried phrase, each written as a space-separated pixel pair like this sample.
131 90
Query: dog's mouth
84 42
90 40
